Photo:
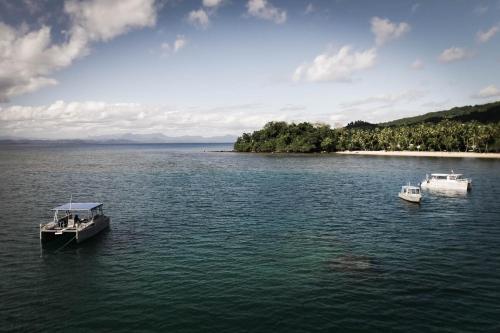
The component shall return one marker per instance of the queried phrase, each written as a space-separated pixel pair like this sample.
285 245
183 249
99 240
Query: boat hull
92 230
69 234
415 198
446 185
51 236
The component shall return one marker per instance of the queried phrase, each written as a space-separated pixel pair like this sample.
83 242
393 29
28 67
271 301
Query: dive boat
410 193
67 225
447 182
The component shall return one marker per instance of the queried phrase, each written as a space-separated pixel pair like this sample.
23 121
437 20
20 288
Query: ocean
205 241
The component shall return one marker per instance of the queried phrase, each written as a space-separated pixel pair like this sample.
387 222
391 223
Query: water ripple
226 242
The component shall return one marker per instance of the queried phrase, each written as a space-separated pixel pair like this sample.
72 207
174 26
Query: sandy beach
421 154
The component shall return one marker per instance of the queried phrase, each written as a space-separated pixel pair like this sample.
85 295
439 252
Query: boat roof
411 187
446 174
78 206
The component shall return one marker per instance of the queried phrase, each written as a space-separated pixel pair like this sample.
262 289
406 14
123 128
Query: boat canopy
78 206
446 174
411 187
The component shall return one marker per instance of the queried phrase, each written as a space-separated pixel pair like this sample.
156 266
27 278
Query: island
468 129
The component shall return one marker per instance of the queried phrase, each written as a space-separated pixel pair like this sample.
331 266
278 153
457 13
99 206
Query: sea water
204 241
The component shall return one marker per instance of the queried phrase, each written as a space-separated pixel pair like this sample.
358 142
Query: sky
81 69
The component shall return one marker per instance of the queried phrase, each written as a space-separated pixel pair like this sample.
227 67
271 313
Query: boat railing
48 225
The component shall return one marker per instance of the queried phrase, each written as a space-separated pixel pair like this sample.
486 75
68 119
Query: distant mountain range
160 138
130 138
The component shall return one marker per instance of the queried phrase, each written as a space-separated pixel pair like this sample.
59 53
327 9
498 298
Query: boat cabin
71 215
410 190
446 176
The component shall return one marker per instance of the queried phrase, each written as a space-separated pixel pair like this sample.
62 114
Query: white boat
68 225
446 182
410 193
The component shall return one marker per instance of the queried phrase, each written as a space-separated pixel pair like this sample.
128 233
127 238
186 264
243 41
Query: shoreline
382 153
420 153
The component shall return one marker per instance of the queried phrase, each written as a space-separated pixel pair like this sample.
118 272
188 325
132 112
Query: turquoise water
227 242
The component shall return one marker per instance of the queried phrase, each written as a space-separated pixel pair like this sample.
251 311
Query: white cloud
180 42
165 49
57 120
488 92
385 30
199 18
415 7
417 64
454 54
309 9
481 9
104 20
484 36
386 99
265 10
338 66
293 107
436 105
27 58
211 3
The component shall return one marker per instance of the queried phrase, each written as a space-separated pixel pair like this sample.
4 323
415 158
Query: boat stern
50 238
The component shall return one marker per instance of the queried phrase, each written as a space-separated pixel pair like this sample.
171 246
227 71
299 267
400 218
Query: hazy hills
130 138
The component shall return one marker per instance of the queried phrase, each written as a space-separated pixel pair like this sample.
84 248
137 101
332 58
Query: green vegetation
459 129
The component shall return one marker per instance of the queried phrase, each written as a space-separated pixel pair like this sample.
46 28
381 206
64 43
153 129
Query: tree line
446 135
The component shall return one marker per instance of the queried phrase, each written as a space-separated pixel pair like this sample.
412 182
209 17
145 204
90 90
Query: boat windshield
407 190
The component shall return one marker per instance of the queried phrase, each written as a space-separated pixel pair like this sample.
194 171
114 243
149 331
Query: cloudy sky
77 69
